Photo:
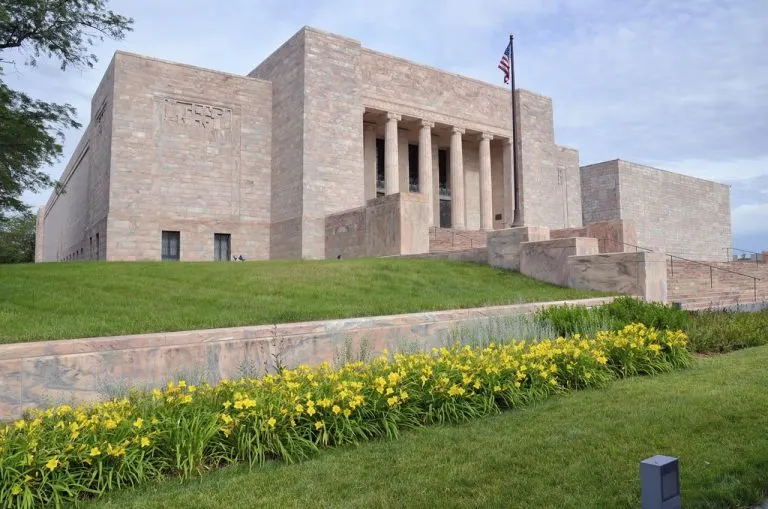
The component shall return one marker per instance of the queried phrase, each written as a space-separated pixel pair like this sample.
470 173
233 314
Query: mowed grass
73 300
576 451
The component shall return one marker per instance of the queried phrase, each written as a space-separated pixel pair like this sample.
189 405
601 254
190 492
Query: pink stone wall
192 154
71 371
612 236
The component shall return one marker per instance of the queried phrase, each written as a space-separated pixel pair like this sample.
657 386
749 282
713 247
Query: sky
677 84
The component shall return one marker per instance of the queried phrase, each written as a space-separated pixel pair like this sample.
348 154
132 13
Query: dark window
442 164
171 245
413 168
498 217
97 247
380 164
221 246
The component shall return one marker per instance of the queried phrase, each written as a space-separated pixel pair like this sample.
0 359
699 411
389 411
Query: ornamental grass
63 454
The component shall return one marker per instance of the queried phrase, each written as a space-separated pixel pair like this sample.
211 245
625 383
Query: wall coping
16 351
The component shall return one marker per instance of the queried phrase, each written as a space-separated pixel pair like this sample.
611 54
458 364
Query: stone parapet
78 370
504 246
547 260
641 274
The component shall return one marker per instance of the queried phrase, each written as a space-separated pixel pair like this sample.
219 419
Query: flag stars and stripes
505 62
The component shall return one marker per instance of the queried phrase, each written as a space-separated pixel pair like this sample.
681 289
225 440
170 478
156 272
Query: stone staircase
447 239
715 284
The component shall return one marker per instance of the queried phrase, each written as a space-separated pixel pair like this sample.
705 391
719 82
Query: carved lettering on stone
201 116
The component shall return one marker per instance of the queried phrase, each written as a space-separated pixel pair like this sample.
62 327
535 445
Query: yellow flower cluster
291 414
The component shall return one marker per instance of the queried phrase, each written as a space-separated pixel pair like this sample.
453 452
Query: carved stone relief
201 116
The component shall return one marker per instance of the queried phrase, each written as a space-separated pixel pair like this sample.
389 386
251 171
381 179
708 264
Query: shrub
66 454
725 331
568 320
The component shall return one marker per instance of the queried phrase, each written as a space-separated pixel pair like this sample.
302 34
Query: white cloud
750 219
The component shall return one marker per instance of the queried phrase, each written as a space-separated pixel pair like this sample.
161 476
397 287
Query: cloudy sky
679 84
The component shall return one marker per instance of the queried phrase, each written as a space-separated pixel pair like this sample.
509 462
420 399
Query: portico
466 174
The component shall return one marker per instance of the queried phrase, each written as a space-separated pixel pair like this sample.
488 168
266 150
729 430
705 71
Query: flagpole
515 180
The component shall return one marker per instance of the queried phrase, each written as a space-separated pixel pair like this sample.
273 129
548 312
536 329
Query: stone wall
569 174
73 226
333 134
600 198
504 246
284 68
192 154
612 236
547 260
72 371
681 215
640 274
396 224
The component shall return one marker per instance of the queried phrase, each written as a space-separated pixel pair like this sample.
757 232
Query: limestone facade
680 215
178 159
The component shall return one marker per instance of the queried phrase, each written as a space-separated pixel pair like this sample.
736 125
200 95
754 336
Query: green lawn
72 300
580 450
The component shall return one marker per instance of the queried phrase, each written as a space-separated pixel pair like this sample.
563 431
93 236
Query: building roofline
188 66
655 168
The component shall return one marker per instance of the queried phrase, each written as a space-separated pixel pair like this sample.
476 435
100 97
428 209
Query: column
486 194
509 184
369 153
391 162
435 182
425 165
458 216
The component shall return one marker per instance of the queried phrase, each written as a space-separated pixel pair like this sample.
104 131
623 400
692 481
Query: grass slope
577 451
72 300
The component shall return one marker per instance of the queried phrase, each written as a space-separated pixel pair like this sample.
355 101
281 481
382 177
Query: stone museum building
330 149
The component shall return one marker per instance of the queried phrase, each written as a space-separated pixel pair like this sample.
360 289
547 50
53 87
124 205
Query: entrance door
221 246
445 213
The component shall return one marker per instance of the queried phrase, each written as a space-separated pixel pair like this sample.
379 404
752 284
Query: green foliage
17 238
31 130
725 331
568 320
579 451
710 331
65 454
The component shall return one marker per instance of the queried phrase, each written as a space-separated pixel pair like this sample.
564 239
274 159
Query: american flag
505 62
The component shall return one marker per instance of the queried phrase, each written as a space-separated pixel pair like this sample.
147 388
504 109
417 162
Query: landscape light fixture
660 483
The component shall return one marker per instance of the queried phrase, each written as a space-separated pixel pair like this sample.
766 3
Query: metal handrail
711 267
729 249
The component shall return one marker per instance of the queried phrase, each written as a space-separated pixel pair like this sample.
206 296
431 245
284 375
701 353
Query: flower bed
64 454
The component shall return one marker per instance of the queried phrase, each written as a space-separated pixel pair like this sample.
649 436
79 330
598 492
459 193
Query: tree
31 131
17 238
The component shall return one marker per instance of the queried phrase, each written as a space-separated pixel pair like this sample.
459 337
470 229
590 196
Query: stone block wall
600 193
193 156
680 215
35 375
284 68
612 236
640 274
333 176
73 223
547 260
569 175
505 246
396 224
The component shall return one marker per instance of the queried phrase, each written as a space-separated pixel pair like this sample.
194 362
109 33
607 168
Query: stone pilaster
458 214
369 154
509 184
391 160
425 165
435 181
486 193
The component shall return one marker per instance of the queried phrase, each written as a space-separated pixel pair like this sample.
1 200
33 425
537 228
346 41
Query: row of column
458 202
